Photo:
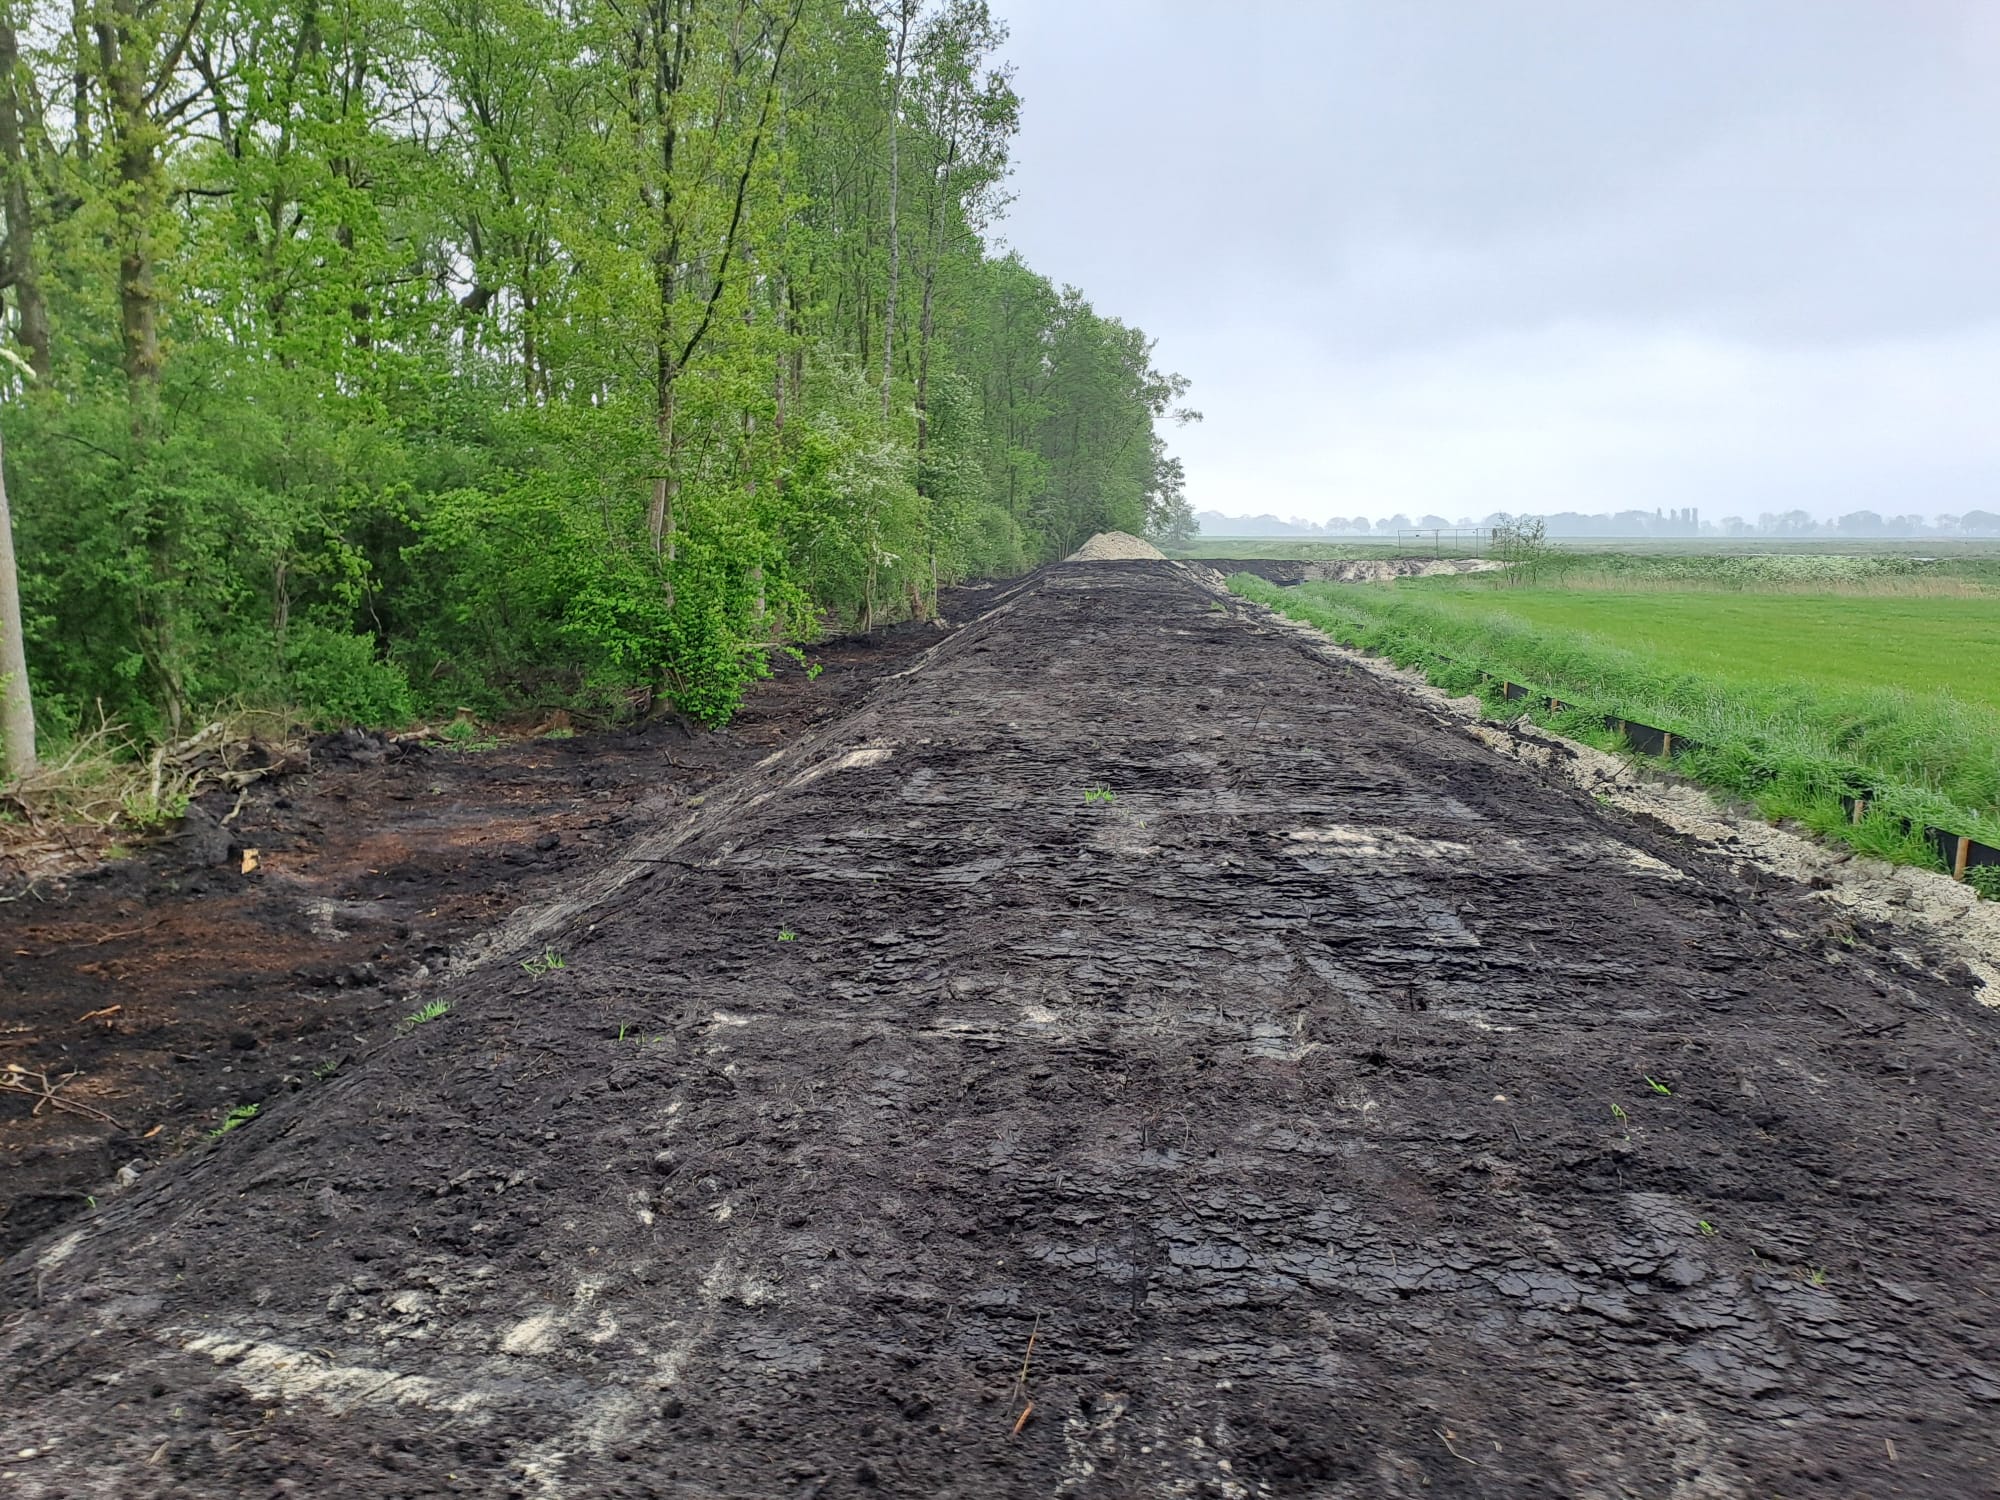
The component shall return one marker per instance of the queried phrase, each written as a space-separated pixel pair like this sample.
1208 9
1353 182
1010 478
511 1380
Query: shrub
336 678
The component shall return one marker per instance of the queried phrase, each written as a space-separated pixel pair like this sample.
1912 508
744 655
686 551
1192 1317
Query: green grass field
1837 641
1801 678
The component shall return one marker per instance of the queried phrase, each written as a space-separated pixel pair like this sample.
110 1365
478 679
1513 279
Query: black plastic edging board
1644 738
1649 739
1946 844
1960 853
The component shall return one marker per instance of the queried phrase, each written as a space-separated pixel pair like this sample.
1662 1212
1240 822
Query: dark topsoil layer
176 988
1334 1110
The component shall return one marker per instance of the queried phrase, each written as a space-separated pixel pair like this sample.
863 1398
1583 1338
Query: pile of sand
1355 571
1116 546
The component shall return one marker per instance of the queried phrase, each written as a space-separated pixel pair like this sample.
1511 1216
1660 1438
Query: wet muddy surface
1124 1056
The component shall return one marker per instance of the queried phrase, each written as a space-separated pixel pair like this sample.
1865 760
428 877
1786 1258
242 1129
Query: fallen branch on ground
36 1084
1021 1380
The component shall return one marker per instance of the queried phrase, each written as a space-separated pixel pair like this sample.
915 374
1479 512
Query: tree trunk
33 331
79 81
17 704
798 353
906 11
924 435
924 364
137 141
660 518
779 308
135 138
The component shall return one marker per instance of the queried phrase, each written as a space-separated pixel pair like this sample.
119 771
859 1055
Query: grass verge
1918 641
1792 750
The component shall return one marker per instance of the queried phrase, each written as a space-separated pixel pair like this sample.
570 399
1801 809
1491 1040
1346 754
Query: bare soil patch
170 987
1335 1108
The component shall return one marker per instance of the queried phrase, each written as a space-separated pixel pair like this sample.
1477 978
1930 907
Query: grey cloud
1407 217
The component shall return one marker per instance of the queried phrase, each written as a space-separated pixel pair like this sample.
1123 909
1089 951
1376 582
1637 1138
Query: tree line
381 355
1680 521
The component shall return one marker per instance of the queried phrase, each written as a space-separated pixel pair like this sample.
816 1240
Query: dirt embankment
1346 570
160 992
1929 906
1127 1055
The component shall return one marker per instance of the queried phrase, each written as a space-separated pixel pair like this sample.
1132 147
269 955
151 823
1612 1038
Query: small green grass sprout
1658 1087
1708 1230
547 961
240 1114
1097 794
430 1010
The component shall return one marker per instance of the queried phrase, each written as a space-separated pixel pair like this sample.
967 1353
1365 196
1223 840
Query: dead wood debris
102 783
44 1088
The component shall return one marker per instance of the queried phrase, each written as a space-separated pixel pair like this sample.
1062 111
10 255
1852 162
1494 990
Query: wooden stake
1021 1380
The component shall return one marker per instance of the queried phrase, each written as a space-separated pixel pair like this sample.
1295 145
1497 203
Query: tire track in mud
1274 1100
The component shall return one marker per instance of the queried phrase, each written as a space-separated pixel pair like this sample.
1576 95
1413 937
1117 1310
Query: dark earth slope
173 986
1294 1104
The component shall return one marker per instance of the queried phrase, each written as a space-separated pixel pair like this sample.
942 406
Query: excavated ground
170 987
1335 1110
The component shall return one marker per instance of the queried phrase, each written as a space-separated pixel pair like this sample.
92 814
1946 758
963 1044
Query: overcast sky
1537 255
